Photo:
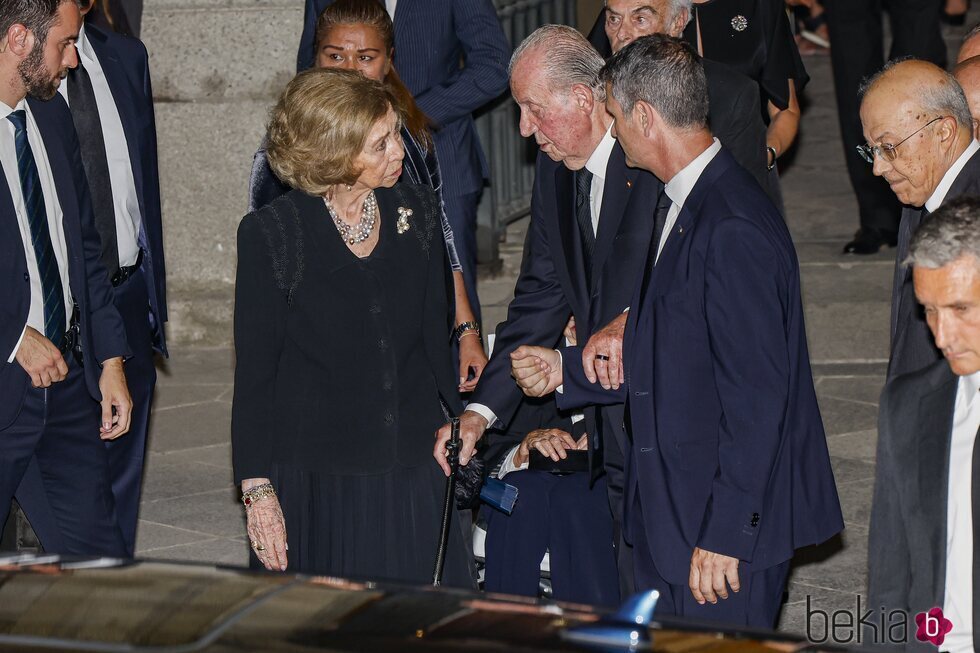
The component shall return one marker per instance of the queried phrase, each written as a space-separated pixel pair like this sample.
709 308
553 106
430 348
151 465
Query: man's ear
680 22
583 98
19 40
645 116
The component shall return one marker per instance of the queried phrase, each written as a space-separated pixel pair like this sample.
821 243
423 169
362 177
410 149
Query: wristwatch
466 326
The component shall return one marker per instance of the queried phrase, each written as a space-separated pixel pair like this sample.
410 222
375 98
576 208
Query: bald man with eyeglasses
919 134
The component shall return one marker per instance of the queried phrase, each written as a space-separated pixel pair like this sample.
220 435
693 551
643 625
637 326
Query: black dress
341 363
754 38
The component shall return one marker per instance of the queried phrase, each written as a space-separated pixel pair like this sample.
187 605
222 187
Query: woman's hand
549 442
471 357
571 337
266 529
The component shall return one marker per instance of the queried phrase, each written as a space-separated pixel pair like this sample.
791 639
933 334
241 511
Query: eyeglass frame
869 152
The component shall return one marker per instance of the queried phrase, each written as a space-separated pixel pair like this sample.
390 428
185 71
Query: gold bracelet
257 493
468 332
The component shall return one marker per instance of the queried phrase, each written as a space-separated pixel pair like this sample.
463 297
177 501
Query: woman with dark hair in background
359 35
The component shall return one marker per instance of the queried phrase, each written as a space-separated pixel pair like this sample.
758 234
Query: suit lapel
615 198
965 180
934 428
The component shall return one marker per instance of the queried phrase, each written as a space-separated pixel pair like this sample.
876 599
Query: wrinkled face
380 161
950 296
918 167
628 20
560 127
355 47
48 63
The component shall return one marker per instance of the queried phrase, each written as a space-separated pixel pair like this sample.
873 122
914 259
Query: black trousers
55 443
857 52
125 454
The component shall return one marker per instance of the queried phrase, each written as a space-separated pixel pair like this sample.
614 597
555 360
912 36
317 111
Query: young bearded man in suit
926 507
62 387
727 470
919 138
431 37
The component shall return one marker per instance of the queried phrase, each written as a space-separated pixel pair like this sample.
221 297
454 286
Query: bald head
919 112
971 45
967 73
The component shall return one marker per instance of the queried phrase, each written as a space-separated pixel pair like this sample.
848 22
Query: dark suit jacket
728 450
299 321
734 111
908 513
126 66
102 332
912 345
552 285
430 39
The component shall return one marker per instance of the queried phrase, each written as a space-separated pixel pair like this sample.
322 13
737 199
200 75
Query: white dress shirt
391 5
52 206
125 202
597 164
958 602
681 185
939 195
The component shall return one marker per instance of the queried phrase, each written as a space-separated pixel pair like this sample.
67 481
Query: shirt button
389 419
27 277
375 309
382 344
755 519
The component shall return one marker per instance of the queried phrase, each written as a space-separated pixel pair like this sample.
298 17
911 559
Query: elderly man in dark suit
591 218
62 386
926 509
728 471
734 113
919 135
431 38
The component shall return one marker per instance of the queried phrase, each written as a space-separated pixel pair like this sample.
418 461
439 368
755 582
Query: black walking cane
452 456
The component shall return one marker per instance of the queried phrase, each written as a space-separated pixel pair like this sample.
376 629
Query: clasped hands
45 365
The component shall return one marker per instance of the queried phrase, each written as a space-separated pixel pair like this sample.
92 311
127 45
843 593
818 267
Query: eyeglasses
887 151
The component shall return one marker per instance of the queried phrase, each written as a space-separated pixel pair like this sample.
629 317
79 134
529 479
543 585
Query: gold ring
257 546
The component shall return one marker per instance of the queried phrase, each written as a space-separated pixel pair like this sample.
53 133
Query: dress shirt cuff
484 412
508 465
13 354
561 364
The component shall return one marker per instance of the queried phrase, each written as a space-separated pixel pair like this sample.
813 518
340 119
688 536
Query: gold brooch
403 215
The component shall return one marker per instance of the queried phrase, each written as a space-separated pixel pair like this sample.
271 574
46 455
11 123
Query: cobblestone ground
190 509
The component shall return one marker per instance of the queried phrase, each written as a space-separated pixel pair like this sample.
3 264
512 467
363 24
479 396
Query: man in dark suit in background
734 113
591 220
919 135
728 471
926 507
431 38
62 387
111 103
857 52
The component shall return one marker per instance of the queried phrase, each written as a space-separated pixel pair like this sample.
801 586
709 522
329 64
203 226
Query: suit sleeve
107 330
483 76
260 311
888 568
577 390
744 299
536 316
745 132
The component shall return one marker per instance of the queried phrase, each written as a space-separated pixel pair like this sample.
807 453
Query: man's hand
550 442
709 571
41 359
536 369
471 357
571 336
115 394
606 343
471 428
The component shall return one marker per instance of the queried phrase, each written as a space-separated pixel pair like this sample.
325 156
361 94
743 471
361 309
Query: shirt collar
600 155
939 195
84 46
970 386
6 111
681 185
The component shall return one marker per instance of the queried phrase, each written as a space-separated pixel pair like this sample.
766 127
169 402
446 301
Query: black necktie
37 217
583 213
85 115
659 221
975 492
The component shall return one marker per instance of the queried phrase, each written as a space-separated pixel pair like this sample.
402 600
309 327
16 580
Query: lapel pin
629 184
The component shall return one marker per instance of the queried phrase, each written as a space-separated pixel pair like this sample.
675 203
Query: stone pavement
190 509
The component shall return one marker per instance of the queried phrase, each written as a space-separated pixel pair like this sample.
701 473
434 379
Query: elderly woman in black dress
342 341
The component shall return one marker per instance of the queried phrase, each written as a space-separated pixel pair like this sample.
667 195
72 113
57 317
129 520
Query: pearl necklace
360 232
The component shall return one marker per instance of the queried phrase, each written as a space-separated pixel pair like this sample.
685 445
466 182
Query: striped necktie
37 218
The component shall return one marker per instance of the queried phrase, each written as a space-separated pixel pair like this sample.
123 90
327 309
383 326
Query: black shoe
869 241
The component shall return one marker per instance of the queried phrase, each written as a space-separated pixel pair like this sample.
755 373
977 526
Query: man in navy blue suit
727 470
62 387
431 38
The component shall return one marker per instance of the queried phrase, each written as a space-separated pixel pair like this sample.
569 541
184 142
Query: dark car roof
104 605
